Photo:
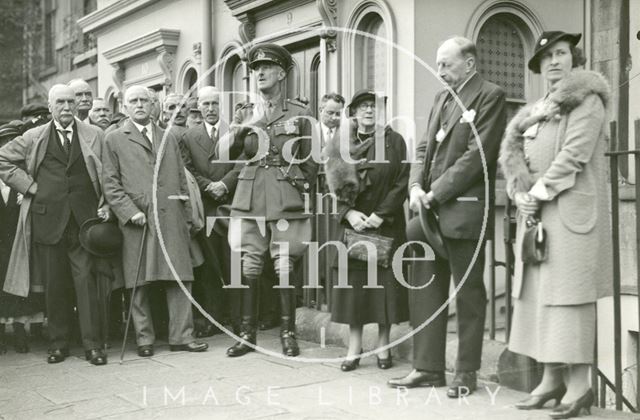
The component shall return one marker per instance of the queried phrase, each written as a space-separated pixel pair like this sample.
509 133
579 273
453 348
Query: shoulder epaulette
297 102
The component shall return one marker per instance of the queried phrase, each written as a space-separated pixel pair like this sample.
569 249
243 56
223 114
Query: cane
133 292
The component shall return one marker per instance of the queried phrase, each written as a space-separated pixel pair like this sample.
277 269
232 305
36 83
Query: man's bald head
84 96
456 60
209 104
62 104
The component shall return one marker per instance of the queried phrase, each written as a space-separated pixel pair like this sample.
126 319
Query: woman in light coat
555 167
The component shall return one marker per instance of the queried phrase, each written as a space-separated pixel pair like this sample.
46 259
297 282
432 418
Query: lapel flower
468 116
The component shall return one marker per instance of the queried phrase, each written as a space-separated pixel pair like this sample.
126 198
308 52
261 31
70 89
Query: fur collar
568 94
342 177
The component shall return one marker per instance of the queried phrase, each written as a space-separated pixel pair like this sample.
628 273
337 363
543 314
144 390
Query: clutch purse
534 242
358 251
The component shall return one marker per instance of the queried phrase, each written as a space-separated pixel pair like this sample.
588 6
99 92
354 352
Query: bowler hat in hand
100 238
546 40
425 228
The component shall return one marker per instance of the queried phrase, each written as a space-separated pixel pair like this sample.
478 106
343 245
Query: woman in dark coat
370 199
553 158
15 310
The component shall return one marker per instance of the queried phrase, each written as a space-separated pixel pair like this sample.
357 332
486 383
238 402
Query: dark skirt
12 306
358 305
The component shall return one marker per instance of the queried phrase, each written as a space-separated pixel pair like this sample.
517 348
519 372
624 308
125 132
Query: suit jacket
263 191
128 169
20 160
453 168
200 153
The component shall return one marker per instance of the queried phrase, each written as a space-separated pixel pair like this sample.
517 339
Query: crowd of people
95 203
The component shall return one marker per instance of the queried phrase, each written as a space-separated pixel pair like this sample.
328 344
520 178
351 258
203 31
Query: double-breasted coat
20 160
576 211
129 162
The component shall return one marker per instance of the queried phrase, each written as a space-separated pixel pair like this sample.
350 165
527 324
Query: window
49 33
190 80
502 57
371 62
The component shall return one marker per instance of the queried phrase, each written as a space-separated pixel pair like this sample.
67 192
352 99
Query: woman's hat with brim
100 238
546 40
360 96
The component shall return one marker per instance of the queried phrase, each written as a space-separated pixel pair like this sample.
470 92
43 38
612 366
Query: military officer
270 192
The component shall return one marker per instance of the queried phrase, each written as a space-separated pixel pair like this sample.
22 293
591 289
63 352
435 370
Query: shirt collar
209 126
275 100
149 128
459 89
59 127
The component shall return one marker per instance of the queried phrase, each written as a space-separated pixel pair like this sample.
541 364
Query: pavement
180 385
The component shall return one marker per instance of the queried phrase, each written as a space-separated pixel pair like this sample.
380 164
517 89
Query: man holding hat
57 168
449 180
271 191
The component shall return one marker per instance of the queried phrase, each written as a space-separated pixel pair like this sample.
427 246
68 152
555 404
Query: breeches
286 240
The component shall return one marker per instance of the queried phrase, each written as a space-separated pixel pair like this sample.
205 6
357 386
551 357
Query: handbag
358 251
534 242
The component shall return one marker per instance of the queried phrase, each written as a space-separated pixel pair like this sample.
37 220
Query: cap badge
260 55
543 41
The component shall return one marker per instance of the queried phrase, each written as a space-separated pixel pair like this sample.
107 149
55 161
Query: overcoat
128 170
370 187
576 212
201 157
20 160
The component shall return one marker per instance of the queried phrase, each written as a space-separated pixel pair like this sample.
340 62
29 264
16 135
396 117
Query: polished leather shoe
574 409
289 344
57 355
240 348
193 347
145 350
385 363
463 384
418 378
96 357
536 402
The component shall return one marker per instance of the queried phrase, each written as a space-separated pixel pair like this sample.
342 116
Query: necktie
213 134
66 144
269 109
447 107
144 136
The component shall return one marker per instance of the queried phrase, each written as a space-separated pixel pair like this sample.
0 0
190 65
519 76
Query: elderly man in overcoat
271 190
217 181
57 168
448 178
130 156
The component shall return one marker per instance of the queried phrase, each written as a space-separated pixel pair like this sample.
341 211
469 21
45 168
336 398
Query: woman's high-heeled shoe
385 363
535 402
567 411
351 364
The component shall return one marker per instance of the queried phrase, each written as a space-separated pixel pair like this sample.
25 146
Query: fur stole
342 177
568 94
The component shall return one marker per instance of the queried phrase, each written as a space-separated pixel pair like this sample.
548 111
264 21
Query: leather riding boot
288 323
248 322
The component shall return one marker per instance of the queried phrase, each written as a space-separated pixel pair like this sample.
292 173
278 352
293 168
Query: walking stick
133 292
